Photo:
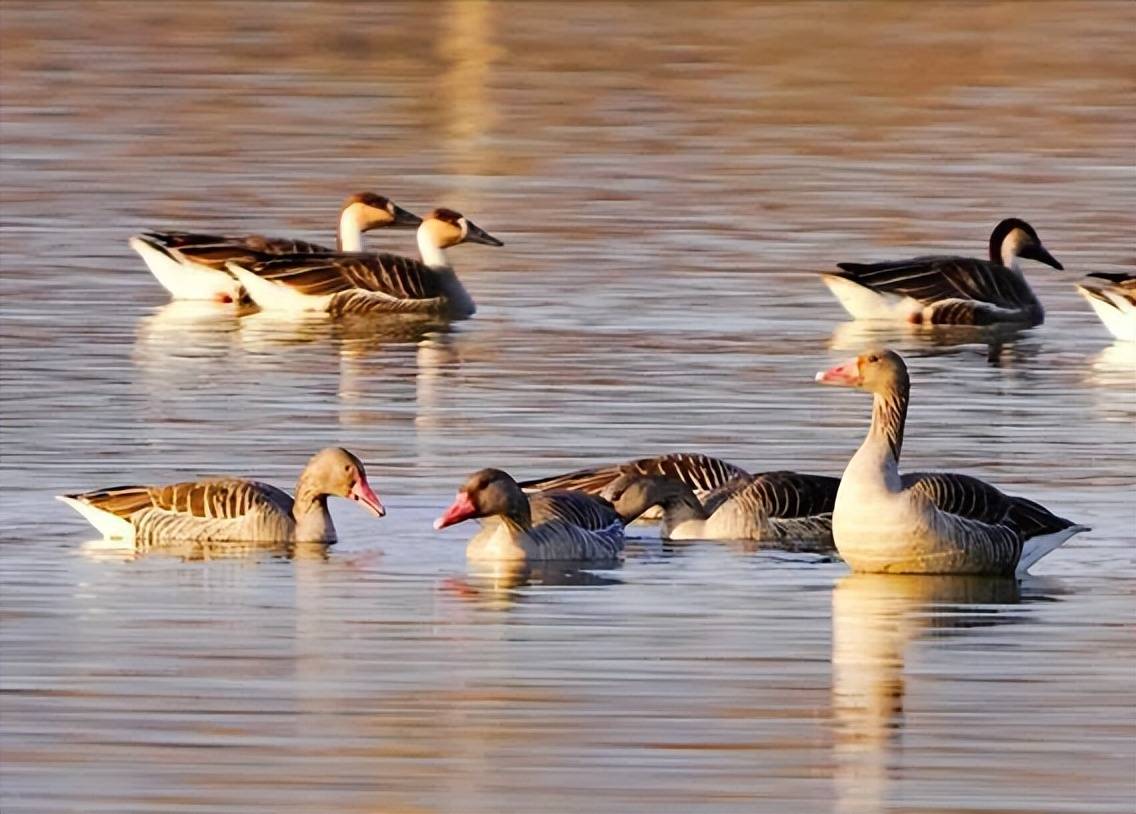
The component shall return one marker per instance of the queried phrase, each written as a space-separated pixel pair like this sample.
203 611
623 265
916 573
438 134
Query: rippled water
668 183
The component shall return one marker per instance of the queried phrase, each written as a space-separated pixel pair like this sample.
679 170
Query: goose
770 507
948 290
558 525
192 266
223 510
701 473
343 284
926 523
1114 302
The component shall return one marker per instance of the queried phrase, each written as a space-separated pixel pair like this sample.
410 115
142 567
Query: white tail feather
1118 315
110 526
273 296
864 303
186 280
1037 547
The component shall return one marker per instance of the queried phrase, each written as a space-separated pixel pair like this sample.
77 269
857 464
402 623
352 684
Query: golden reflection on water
876 618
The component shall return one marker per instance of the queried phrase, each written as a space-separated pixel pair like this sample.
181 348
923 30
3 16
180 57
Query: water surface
668 184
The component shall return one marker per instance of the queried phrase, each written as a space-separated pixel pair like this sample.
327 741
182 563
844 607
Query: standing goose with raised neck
550 526
230 510
949 290
371 284
773 507
926 523
192 266
1114 301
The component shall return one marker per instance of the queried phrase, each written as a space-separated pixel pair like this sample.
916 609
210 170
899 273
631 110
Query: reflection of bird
344 284
771 507
1002 342
558 525
192 266
948 290
496 582
230 510
874 618
926 523
1114 301
190 551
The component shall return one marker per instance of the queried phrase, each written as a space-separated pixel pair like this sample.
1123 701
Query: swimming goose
558 525
926 523
949 290
224 510
770 507
701 473
340 284
192 266
1114 302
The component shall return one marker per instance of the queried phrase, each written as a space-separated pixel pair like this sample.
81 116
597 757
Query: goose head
366 211
632 494
875 371
444 228
1014 238
486 493
335 471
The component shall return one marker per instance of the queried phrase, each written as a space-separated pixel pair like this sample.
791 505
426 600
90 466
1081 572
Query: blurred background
668 178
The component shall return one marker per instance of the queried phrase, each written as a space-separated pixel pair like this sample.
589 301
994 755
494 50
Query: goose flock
876 518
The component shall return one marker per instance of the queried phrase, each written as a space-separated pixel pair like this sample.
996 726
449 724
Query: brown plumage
230 509
556 525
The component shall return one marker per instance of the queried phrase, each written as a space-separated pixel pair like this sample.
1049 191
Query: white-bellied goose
230 509
946 290
925 523
193 266
559 525
770 507
1114 301
342 284
702 473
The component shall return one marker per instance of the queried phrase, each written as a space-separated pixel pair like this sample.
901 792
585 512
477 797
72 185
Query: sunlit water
668 183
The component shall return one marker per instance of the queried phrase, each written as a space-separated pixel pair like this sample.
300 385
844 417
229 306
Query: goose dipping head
1014 238
486 493
335 471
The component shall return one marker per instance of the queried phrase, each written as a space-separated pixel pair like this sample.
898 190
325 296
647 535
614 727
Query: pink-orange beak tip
361 492
439 523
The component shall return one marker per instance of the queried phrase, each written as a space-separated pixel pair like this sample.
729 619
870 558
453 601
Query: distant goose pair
292 275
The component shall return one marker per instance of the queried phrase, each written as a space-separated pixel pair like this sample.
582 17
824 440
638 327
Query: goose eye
873 358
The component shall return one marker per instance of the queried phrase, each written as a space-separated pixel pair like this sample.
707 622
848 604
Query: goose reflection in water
874 619
189 551
500 585
1005 345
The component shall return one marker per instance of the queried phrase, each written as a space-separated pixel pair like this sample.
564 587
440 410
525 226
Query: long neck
309 510
430 252
885 438
350 235
679 503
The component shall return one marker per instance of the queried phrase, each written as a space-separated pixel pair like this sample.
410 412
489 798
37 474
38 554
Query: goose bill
362 492
475 234
405 219
843 375
1039 254
461 509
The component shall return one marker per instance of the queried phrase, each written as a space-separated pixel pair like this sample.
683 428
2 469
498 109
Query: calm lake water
668 181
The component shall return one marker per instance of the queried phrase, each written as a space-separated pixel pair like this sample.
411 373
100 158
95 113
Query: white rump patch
864 303
273 296
185 280
110 526
1037 547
